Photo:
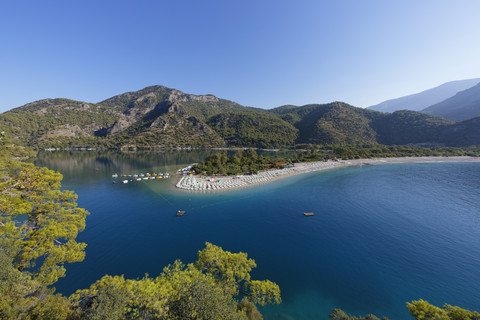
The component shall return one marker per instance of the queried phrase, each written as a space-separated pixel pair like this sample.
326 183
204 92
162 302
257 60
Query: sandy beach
203 183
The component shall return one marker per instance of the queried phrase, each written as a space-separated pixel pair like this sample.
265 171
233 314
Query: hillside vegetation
160 117
253 129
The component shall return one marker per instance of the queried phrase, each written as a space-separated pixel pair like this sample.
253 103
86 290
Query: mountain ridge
424 99
160 117
462 106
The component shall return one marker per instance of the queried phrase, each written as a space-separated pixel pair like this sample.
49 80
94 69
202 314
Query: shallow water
381 235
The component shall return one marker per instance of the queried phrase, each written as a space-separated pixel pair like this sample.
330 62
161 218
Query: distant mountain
464 105
160 117
424 99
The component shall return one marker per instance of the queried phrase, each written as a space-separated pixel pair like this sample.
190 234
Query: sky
257 53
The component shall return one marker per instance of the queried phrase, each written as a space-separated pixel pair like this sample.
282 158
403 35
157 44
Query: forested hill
338 123
160 117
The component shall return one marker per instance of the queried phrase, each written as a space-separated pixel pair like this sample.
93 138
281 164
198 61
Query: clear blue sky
257 53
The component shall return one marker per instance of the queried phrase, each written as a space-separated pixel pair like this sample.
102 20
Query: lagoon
381 235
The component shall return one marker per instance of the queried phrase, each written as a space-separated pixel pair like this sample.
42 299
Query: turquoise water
382 235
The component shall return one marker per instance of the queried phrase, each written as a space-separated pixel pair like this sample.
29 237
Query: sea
382 235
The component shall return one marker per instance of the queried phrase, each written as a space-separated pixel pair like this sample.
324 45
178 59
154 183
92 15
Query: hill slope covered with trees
160 117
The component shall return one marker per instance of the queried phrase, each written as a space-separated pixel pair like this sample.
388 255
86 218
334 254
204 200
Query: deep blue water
382 235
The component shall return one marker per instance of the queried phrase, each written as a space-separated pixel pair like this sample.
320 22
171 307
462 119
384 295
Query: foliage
205 290
404 127
164 118
253 129
232 270
42 122
23 298
465 133
37 218
338 314
422 310
14 285
250 309
367 151
335 122
243 161
52 307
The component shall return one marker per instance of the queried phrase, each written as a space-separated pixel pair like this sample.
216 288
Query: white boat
114 175
125 181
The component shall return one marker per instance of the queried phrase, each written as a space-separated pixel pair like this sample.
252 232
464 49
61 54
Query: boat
125 181
114 175
180 213
309 214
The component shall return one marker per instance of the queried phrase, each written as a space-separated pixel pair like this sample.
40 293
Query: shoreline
196 183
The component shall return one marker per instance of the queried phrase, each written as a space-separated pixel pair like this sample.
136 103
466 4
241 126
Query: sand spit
201 183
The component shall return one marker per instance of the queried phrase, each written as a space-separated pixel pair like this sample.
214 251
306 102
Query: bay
381 235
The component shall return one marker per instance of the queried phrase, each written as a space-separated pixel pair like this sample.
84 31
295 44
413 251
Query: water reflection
82 165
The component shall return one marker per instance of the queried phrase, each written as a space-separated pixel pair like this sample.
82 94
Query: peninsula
215 183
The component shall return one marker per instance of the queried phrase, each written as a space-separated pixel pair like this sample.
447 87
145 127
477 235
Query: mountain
253 129
464 105
424 99
338 123
410 127
331 123
154 116
465 133
64 119
160 117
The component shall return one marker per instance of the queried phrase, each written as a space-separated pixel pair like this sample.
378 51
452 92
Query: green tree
232 271
206 290
457 313
339 314
23 298
197 296
422 310
14 286
250 309
37 218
